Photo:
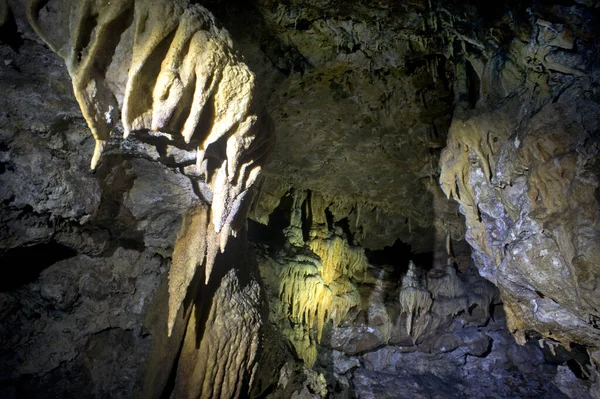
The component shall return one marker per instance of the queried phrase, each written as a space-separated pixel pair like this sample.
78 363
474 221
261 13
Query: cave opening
398 255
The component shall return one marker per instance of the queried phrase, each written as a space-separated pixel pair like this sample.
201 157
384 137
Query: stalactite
293 232
464 137
415 300
268 196
164 64
167 67
339 259
318 204
316 291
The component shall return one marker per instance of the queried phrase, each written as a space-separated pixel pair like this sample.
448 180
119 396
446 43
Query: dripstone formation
299 199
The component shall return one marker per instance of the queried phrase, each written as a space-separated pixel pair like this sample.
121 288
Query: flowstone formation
320 288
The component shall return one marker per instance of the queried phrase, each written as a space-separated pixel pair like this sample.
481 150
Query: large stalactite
167 68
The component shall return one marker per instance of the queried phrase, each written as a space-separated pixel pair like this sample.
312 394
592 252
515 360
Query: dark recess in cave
344 224
279 219
9 33
398 255
579 362
26 263
474 85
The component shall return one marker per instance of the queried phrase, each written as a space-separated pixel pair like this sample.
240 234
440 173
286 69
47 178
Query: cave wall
522 162
109 302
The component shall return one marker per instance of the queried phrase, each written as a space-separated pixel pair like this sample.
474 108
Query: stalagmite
223 362
415 300
449 285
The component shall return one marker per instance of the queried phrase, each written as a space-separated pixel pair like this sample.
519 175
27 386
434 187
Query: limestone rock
526 187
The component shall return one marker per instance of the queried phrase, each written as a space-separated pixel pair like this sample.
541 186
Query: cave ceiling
360 95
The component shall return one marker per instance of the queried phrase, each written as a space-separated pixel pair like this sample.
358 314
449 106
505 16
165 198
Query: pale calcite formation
222 363
170 69
467 138
316 290
415 299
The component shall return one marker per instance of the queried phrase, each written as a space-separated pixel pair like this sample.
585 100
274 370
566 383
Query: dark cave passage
26 263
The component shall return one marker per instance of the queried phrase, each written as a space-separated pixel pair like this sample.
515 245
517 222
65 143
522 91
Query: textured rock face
526 176
363 97
127 216
361 102
78 280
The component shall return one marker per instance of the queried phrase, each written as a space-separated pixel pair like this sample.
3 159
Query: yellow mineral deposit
339 260
465 137
163 63
318 204
315 292
415 300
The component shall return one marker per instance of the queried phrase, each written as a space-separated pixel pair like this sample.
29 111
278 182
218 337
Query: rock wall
522 162
165 75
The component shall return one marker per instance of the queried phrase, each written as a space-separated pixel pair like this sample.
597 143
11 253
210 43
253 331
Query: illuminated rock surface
405 132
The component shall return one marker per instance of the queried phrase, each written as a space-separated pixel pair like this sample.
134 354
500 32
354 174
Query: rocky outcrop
523 165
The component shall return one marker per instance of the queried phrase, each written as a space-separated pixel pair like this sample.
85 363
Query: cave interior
299 199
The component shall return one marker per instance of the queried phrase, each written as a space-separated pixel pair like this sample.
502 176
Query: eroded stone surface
527 185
